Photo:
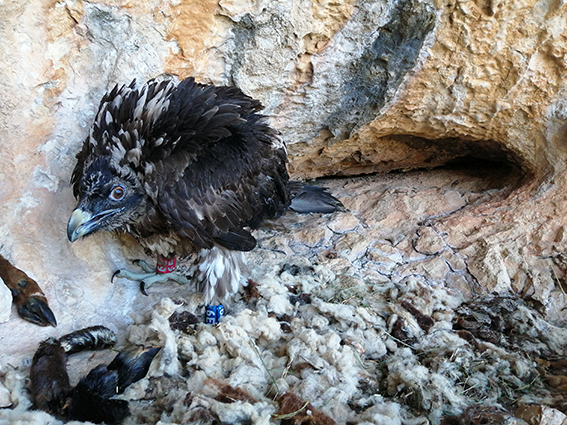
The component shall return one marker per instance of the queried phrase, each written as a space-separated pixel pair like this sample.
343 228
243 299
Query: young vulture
181 165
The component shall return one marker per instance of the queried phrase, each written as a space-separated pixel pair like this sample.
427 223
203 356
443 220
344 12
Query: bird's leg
164 271
213 314
166 264
144 266
28 297
219 276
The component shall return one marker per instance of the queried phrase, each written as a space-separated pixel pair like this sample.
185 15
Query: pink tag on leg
165 265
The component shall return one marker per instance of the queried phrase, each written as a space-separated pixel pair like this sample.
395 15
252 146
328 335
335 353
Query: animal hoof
36 311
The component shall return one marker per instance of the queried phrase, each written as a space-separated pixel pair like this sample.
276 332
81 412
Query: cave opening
498 169
481 155
497 174
501 168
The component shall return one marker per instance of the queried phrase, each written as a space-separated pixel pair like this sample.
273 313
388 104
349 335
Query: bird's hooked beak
84 222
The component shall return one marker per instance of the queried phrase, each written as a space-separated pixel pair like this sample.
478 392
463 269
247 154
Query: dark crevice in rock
382 67
473 154
452 149
496 175
401 153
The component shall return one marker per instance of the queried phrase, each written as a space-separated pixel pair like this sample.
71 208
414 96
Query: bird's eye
117 193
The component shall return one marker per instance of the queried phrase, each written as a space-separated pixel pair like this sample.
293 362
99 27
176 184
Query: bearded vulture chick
182 166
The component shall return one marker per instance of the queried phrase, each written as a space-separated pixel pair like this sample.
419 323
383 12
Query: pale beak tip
75 227
71 235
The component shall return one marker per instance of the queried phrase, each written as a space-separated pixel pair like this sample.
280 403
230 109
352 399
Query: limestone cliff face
355 87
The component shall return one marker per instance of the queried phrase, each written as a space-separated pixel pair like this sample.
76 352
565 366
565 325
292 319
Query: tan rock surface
5 302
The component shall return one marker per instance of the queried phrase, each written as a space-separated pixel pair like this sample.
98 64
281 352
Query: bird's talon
143 288
117 272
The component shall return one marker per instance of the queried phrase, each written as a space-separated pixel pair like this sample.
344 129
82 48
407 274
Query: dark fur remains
92 338
91 400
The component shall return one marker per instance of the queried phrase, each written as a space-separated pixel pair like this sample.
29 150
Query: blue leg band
214 314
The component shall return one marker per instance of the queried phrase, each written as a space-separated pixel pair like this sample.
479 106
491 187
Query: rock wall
355 87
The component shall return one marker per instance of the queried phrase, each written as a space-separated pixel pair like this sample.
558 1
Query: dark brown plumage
179 166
